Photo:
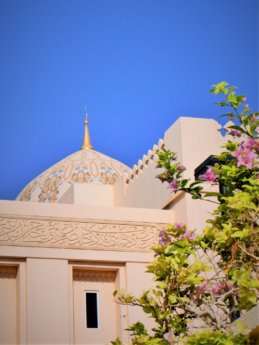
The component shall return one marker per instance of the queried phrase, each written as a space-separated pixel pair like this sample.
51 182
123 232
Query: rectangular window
91 299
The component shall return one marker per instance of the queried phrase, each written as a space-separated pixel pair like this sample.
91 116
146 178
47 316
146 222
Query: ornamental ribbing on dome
84 166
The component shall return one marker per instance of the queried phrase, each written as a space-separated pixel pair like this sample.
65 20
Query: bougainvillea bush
205 281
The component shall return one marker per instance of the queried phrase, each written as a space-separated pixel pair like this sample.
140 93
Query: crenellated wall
193 140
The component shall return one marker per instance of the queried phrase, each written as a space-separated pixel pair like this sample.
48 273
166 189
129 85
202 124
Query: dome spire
87 141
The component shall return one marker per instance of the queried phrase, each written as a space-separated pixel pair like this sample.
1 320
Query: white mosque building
84 228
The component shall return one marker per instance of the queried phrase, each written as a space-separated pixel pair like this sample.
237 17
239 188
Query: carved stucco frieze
8 272
94 276
81 235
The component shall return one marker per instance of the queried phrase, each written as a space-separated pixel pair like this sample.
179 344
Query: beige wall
13 301
47 301
49 308
138 281
144 190
88 194
49 241
8 305
31 210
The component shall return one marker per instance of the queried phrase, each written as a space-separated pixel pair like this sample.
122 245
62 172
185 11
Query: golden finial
87 141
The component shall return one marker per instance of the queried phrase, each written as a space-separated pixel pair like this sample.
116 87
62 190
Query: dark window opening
91 310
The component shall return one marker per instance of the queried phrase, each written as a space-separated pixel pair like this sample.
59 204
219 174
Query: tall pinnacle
87 141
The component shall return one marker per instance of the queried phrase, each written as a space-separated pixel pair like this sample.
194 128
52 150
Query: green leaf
241 234
196 183
138 328
237 128
253 126
172 299
193 279
143 339
184 183
231 97
252 299
209 194
222 104
162 285
204 245
147 309
116 342
231 115
219 88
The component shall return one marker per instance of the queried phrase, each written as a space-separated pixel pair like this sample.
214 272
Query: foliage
204 281
208 337
116 342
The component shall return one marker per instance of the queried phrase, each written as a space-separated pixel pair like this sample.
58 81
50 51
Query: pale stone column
48 301
138 280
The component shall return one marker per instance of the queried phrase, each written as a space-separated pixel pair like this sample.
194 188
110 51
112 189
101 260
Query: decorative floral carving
49 190
82 235
9 272
81 175
27 191
108 178
94 276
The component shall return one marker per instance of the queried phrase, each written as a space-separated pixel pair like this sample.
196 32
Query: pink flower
235 133
218 289
169 336
221 288
179 226
200 289
254 118
251 143
164 238
244 156
209 176
173 186
181 167
189 235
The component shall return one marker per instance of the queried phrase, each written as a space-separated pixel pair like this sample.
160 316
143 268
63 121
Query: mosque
84 228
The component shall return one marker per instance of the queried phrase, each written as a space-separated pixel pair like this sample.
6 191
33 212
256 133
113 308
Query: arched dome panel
84 166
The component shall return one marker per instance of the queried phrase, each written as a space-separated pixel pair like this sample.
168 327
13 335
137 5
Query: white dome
84 166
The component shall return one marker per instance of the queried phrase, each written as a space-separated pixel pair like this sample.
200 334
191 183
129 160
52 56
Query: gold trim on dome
87 141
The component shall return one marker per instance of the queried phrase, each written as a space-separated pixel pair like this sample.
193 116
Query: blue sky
136 64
